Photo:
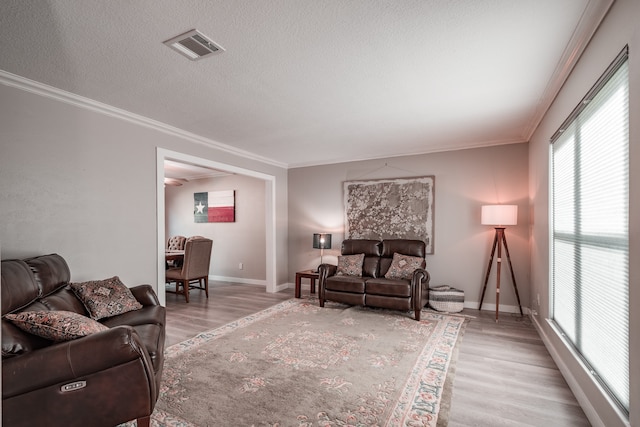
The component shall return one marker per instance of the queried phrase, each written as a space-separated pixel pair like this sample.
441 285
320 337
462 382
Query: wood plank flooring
226 302
504 375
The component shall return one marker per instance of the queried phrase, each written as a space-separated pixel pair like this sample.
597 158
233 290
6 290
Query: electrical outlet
240 266
538 300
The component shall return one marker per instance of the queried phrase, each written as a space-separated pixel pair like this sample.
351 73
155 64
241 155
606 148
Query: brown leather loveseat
378 273
108 376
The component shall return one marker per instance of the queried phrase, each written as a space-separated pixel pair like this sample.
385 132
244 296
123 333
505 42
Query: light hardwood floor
504 374
506 377
226 302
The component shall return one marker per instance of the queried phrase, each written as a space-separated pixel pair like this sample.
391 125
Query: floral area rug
297 364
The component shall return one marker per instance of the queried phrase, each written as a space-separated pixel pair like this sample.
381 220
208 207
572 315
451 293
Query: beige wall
464 181
242 241
620 27
84 184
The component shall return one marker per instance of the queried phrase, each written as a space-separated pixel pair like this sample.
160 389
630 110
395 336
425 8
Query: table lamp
321 241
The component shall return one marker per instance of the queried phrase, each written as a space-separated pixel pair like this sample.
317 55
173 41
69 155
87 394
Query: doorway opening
270 227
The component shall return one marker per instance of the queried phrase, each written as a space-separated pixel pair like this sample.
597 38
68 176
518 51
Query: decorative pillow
350 265
403 266
105 298
56 325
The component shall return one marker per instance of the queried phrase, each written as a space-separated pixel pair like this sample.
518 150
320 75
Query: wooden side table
307 274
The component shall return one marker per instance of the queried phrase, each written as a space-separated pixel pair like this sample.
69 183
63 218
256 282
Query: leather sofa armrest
145 295
421 275
71 360
420 283
326 270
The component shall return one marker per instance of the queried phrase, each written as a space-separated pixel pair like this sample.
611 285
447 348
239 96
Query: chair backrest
414 248
176 243
372 250
197 257
378 254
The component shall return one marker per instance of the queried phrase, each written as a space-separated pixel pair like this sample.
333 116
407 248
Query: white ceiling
174 172
305 82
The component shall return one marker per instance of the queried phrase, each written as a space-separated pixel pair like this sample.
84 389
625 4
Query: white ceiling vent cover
194 45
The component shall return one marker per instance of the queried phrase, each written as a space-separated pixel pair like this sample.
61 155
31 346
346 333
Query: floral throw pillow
403 266
56 325
350 265
105 298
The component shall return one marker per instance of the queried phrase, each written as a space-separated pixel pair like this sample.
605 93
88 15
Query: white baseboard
492 307
240 280
283 286
245 281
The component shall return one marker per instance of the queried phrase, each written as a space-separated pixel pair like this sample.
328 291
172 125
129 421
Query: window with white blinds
590 231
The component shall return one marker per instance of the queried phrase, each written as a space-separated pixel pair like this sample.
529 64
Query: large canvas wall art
399 208
214 206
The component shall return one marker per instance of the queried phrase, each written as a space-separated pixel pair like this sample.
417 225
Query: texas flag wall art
215 206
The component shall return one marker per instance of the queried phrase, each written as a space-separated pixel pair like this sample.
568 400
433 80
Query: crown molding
593 14
22 83
470 146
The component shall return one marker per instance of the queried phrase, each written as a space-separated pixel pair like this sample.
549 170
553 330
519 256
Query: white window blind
590 237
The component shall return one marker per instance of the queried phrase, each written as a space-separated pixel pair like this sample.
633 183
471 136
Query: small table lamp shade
500 215
321 241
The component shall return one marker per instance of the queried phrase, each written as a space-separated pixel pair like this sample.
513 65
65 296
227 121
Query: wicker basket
446 298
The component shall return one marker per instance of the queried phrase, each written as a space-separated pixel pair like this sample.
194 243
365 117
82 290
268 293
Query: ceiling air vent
194 45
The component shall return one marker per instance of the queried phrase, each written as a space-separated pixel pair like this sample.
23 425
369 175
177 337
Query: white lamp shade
499 215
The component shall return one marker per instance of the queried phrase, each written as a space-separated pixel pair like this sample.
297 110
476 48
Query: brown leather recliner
103 379
372 288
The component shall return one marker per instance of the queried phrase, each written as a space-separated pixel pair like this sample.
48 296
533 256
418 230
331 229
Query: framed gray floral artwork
399 208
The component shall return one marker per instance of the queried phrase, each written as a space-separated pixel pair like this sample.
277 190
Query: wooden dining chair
174 243
194 273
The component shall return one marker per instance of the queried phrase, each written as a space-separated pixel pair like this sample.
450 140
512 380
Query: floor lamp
499 216
321 241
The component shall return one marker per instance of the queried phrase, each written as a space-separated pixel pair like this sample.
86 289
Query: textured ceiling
307 82
189 172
